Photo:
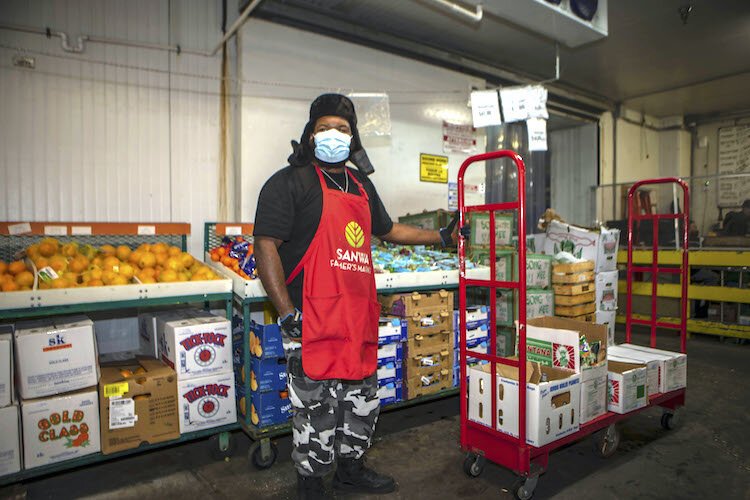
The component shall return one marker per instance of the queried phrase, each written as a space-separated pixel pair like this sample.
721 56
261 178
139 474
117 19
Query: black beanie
326 105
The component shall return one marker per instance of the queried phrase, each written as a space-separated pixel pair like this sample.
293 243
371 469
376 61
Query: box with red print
60 427
196 346
206 402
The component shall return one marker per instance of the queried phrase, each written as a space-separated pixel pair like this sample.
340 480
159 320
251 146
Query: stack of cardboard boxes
57 375
428 357
268 402
10 443
391 338
477 337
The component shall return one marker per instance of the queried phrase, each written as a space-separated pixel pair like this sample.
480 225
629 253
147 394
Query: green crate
433 219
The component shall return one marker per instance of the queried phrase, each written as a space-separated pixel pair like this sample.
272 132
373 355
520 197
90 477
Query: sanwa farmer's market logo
354 234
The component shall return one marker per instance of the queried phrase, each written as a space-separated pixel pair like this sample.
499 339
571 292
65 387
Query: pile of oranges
75 265
235 254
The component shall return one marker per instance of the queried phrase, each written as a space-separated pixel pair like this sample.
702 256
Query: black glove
447 232
291 325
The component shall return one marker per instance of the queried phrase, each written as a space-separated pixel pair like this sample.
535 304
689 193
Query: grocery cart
485 442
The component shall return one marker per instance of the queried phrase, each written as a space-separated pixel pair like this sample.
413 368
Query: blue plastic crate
390 353
391 393
391 330
389 372
476 318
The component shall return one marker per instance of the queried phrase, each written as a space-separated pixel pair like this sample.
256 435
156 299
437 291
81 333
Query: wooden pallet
572 278
583 288
578 267
574 300
577 310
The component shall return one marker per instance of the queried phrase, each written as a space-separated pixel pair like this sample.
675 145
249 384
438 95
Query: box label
116 390
121 412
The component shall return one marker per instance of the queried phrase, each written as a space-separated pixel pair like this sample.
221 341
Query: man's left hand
449 234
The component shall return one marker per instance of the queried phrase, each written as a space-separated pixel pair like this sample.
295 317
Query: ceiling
650 61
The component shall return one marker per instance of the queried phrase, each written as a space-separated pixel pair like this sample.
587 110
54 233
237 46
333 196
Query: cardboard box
7 389
421 364
10 440
138 403
598 245
606 290
411 304
147 330
195 346
476 317
626 387
552 407
390 372
535 242
428 323
424 344
434 381
206 402
390 393
506 342
265 341
266 408
117 336
391 330
59 428
433 219
481 348
608 319
265 374
652 368
672 366
539 303
480 229
593 398
55 355
390 353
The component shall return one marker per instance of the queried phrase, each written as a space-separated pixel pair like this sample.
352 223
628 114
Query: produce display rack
486 442
721 261
248 292
15 236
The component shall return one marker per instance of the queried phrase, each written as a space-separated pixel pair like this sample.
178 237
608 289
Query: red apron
339 304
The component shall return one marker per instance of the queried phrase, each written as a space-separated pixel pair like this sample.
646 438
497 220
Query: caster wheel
669 420
474 465
255 455
606 441
522 489
215 445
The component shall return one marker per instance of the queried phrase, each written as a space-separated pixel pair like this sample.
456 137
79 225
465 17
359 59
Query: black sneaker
311 488
353 476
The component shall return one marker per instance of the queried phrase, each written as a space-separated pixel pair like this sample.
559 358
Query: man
312 246
738 223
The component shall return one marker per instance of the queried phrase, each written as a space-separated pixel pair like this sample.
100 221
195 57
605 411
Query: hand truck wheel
474 464
262 454
669 420
523 488
222 446
606 441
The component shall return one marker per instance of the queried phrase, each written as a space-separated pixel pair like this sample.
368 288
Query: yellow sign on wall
433 168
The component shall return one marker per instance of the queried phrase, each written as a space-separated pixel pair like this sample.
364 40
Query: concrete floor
708 456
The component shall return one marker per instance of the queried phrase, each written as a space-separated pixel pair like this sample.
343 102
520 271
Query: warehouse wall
285 69
115 133
573 172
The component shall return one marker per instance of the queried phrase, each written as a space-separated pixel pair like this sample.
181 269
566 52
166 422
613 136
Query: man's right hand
291 325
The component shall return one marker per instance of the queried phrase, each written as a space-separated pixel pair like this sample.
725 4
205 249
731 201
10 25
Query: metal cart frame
483 442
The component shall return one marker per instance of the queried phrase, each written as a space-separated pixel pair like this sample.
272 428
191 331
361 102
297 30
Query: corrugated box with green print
480 229
538 267
538 303
433 219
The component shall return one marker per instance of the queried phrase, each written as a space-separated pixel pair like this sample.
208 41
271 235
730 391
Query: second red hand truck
482 442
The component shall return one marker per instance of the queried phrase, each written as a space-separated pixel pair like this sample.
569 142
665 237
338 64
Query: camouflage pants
331 418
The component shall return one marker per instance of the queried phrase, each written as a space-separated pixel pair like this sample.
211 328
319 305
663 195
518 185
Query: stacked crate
391 339
428 357
575 290
477 337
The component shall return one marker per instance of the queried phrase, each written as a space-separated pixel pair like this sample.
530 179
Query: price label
20 228
233 230
56 230
122 413
146 230
80 230
115 390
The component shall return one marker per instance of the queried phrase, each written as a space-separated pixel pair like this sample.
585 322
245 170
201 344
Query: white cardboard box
206 402
593 398
147 328
606 290
552 408
608 319
196 346
55 355
652 369
599 246
60 427
626 387
672 366
10 440
7 392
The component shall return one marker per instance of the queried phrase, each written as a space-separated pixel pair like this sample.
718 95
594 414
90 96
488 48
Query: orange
120 280
215 256
58 263
135 256
167 276
145 247
3 267
127 271
71 278
182 277
108 250
161 258
227 261
41 262
96 283
9 286
186 259
33 250
148 272
174 263
123 252
147 280
98 261
78 264
160 247
108 276
69 249
95 273
17 266
60 283
174 251
49 247
221 251
111 263
147 260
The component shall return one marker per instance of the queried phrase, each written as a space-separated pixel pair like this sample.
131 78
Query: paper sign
537 128
459 138
20 228
433 168
522 103
452 196
485 108
233 230
146 230
56 230
122 413
80 230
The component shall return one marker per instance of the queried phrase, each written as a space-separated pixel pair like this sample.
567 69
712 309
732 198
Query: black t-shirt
289 209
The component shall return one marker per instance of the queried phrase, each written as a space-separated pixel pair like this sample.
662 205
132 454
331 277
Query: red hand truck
484 442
